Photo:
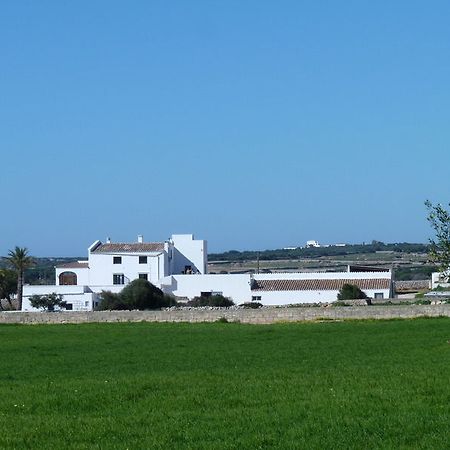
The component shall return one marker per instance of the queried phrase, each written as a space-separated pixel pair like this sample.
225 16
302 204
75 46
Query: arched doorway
67 278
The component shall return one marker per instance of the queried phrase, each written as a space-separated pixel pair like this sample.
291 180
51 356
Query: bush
222 320
110 301
441 289
170 300
47 302
423 301
351 292
252 305
213 300
139 294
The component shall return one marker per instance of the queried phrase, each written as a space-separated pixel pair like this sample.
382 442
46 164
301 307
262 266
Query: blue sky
254 124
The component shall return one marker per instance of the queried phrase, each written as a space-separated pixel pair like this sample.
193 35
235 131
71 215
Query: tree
8 285
351 292
212 300
47 302
439 219
139 294
110 302
19 260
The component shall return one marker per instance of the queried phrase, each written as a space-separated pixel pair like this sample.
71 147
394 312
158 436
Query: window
256 298
86 303
117 260
118 278
379 295
67 278
142 260
69 307
143 276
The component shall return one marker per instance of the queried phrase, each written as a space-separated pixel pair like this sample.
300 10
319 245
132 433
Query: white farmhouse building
179 267
440 279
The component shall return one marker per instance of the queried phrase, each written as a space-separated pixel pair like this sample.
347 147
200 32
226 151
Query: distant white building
312 244
179 267
439 279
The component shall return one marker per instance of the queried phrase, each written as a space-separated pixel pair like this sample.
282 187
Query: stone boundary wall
261 316
412 285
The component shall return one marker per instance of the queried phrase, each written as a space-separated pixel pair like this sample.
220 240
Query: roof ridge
138 247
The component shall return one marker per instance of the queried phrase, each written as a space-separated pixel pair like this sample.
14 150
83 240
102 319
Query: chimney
140 238
108 240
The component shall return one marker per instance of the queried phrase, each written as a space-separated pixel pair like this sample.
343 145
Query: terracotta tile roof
137 247
318 285
73 265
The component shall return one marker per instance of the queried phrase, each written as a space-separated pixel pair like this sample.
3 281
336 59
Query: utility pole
257 262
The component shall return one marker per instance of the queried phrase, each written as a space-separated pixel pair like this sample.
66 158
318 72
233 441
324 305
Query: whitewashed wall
82 274
292 297
323 276
188 251
78 296
316 296
236 287
102 269
438 279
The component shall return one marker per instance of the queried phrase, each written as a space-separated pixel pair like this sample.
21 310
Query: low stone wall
412 285
263 315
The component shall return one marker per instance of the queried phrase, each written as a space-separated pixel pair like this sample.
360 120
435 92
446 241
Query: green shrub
423 301
139 294
351 292
222 320
213 300
252 305
110 301
440 288
47 302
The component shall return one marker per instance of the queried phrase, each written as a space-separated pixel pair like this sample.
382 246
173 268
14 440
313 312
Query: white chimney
140 238
108 240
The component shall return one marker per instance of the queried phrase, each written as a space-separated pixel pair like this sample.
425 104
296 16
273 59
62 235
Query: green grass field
368 384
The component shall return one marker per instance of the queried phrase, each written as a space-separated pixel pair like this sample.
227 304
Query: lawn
362 384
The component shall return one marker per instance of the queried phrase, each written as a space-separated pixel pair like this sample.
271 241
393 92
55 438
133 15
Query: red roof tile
318 284
137 247
73 265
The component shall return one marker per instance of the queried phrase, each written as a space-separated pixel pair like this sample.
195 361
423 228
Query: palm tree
19 260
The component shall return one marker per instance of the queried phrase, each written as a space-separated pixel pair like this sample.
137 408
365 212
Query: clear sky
252 124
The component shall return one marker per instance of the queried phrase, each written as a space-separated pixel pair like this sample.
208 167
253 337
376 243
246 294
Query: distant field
364 384
412 262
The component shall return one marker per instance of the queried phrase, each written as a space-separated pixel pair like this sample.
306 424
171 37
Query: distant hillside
315 252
